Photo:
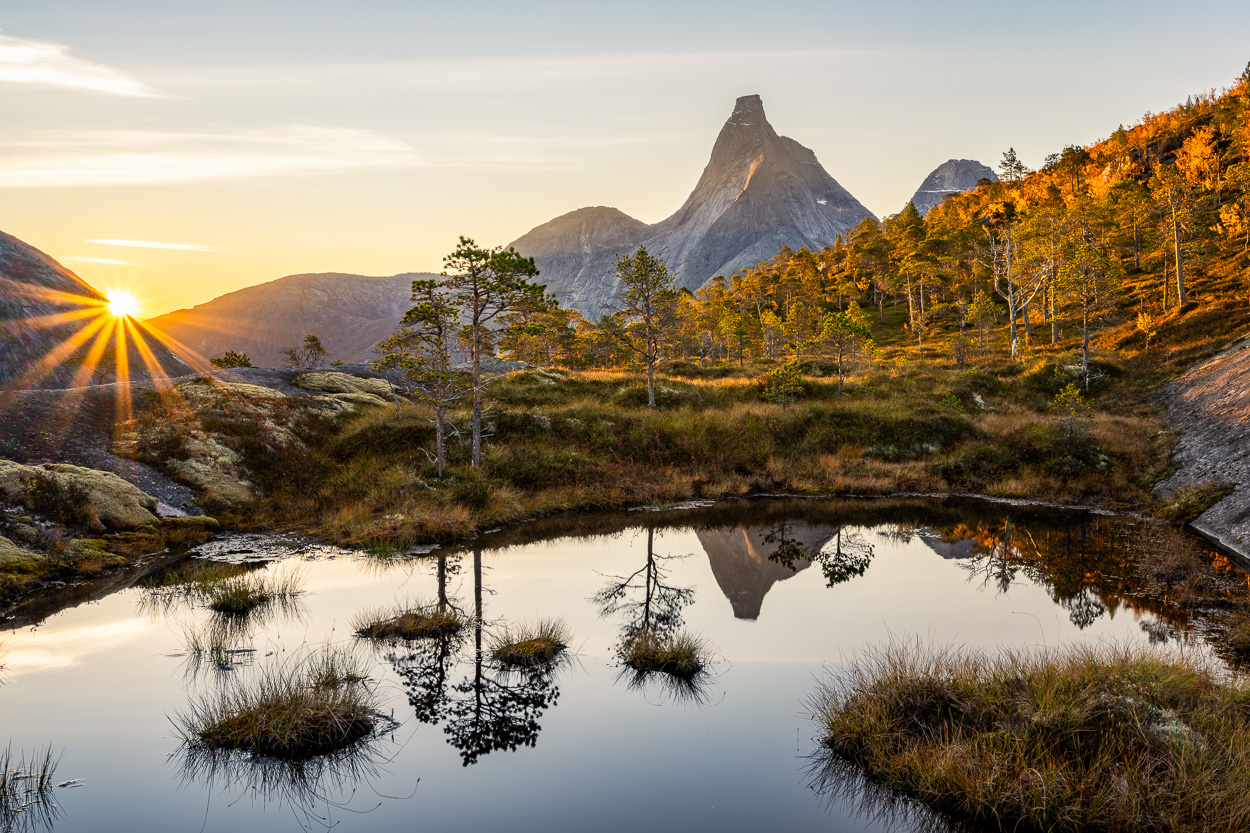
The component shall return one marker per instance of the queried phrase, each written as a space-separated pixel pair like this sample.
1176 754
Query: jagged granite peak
954 176
760 191
43 309
349 313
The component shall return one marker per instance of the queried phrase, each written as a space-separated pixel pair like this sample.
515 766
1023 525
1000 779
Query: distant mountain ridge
349 313
759 192
954 176
44 309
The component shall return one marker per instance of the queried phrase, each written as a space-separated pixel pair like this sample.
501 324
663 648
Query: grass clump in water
26 790
245 593
530 646
1090 738
410 622
679 655
313 706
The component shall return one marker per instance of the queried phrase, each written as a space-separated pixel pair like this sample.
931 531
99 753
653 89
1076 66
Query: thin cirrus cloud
152 157
146 244
108 261
24 61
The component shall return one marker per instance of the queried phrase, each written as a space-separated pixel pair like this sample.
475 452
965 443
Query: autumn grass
1086 738
316 704
410 621
561 441
681 655
527 646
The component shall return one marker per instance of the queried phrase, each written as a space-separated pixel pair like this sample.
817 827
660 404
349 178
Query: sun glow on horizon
123 305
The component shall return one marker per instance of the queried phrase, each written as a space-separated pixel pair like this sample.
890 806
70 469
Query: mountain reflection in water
808 582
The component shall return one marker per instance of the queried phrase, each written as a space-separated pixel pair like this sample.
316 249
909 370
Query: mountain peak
954 176
748 111
759 192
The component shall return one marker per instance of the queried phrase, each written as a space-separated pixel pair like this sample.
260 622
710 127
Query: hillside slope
349 313
50 319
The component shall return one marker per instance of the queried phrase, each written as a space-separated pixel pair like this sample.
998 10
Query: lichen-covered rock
11 552
331 382
98 500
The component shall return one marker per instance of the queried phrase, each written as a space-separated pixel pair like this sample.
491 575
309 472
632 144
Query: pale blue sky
364 136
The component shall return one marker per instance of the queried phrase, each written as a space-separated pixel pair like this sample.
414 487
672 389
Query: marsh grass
410 621
527 646
26 790
680 655
216 646
1087 738
313 705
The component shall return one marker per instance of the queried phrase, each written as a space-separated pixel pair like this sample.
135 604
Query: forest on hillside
1125 235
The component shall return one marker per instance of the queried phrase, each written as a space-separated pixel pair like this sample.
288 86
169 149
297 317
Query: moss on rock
330 382
98 500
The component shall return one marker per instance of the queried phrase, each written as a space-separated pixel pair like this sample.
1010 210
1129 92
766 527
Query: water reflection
494 707
842 787
841 553
644 599
314 790
27 802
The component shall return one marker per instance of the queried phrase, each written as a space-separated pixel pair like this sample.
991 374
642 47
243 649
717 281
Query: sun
123 305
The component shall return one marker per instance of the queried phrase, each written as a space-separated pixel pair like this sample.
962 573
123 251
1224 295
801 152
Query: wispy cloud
25 61
105 260
494 73
148 244
150 157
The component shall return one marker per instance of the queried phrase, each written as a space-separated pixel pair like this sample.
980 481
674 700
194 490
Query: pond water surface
782 591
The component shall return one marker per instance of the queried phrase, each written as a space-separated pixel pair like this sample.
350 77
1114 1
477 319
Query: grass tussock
1187 503
680 655
527 646
411 621
1088 738
314 705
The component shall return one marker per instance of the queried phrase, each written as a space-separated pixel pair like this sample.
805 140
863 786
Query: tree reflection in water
493 708
648 604
846 555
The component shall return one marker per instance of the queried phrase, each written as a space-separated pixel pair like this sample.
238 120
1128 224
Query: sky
243 140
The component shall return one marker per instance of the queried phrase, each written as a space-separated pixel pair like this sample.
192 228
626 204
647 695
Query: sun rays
95 340
123 304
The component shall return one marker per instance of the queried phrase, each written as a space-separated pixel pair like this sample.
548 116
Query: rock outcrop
349 313
759 192
50 319
954 176
1209 407
98 500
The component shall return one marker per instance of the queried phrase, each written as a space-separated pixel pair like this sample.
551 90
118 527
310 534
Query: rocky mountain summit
49 320
349 313
954 176
759 192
